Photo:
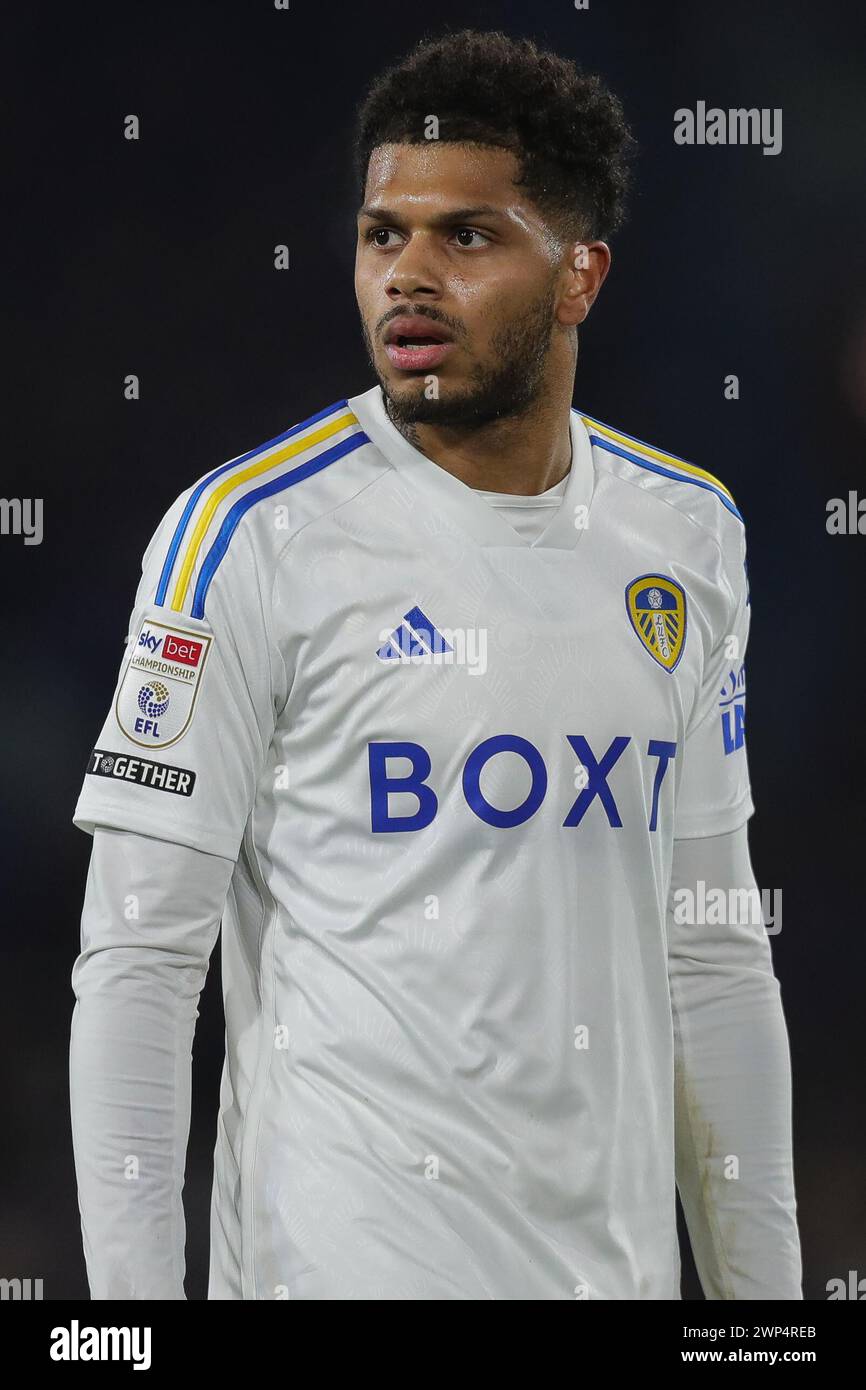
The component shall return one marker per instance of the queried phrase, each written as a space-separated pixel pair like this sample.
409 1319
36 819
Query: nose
412 273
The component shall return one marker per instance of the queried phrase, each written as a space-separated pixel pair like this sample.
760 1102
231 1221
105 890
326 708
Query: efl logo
157 694
187 651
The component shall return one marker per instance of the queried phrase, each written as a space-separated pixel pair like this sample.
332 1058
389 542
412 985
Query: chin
408 403
452 410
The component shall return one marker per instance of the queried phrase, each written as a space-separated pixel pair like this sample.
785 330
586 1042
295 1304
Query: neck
523 454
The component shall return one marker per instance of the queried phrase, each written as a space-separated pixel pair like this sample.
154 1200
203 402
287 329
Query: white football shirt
450 765
527 514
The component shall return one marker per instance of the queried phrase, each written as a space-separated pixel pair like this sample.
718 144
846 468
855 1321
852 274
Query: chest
493 672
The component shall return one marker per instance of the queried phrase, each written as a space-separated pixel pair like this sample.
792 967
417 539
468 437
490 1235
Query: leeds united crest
656 606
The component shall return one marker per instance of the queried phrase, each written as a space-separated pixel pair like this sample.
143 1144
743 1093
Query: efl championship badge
157 695
657 608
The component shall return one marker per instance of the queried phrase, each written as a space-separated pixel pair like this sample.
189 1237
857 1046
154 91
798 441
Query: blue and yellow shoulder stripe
217 504
656 461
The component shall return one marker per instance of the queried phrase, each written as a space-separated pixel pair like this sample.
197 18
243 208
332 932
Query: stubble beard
509 387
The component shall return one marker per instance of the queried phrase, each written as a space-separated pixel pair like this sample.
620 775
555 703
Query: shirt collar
466 507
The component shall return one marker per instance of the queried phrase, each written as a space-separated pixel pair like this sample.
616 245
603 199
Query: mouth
416 343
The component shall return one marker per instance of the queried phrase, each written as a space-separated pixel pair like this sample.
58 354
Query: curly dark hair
565 127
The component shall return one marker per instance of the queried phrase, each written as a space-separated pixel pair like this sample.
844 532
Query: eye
373 232
470 231
378 237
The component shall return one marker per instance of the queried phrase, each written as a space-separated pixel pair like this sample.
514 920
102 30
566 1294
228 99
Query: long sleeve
150 920
733 1078
167 794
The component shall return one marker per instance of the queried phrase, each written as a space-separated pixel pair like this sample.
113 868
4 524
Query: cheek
360 281
366 298
370 288
487 308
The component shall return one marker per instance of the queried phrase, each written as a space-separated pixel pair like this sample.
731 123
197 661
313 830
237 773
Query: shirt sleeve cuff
699 824
90 812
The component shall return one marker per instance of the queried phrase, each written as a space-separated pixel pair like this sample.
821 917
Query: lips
414 342
415 327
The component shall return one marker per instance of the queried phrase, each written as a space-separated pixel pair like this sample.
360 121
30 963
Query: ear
589 263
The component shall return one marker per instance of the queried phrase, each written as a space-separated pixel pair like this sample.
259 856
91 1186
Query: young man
435 700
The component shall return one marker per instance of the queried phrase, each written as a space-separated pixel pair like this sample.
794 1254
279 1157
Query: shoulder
237 518
666 480
669 486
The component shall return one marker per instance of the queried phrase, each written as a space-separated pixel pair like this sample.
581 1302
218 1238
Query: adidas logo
417 642
415 637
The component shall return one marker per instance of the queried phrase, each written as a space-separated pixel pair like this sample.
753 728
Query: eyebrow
377 213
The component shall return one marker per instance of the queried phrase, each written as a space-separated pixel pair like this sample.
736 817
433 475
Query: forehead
434 172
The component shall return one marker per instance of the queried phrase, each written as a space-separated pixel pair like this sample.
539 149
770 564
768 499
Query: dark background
156 258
